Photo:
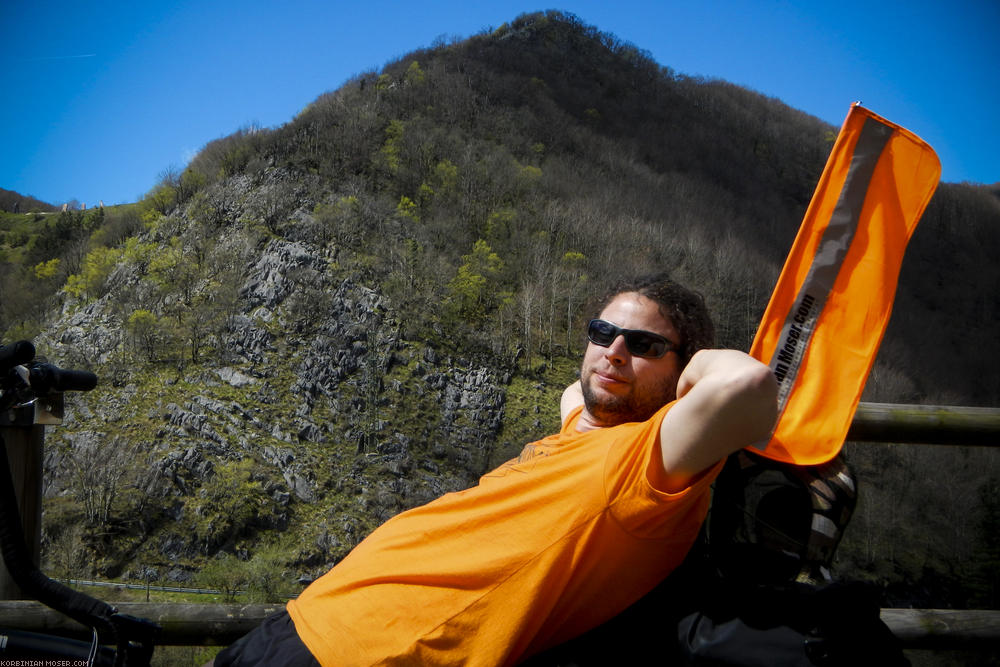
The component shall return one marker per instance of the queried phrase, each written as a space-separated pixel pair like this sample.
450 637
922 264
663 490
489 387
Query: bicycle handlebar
43 378
23 378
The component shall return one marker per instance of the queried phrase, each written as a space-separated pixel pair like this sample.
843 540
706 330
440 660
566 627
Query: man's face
619 387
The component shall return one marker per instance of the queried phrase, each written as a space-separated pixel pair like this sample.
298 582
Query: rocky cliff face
315 421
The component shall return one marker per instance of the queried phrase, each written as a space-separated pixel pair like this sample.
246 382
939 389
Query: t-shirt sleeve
632 469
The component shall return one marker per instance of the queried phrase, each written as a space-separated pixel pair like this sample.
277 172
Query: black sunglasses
640 343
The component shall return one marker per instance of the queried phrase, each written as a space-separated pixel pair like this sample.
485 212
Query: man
553 543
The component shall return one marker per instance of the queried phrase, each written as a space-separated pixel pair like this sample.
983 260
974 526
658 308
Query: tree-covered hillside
315 326
13 202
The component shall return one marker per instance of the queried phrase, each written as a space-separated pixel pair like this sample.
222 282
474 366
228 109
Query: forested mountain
315 326
14 202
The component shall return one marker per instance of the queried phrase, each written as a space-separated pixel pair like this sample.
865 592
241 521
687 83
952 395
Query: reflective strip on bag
830 308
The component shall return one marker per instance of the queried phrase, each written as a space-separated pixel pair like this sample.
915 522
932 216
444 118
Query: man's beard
611 410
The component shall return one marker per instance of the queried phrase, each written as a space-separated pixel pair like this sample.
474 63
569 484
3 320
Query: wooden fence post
24 452
23 433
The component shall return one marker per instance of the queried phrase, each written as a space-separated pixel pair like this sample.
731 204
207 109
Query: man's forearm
726 401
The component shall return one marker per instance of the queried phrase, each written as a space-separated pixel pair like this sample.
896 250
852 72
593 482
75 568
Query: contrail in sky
39 58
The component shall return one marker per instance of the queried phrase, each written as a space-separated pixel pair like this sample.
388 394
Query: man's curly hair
684 309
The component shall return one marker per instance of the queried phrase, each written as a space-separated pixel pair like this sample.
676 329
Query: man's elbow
760 393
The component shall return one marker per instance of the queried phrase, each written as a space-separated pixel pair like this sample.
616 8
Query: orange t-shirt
545 547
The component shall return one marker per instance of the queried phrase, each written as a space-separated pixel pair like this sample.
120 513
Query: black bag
768 597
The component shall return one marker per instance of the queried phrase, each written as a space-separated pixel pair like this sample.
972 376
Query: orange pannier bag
831 305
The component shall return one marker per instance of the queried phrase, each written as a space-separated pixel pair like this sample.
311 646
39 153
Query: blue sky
100 98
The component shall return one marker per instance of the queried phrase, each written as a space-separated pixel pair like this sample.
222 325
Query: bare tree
99 469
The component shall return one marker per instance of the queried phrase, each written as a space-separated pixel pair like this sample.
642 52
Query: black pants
274 643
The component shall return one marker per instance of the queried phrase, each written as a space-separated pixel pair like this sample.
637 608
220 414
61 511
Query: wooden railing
925 424
220 624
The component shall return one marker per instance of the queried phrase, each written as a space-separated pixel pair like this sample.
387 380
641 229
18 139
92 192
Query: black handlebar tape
14 354
46 377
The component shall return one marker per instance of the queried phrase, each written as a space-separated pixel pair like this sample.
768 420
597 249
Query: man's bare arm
726 401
